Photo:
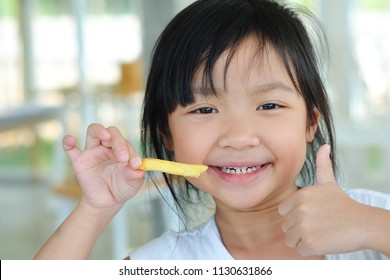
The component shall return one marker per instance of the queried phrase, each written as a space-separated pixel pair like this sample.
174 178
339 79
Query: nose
239 134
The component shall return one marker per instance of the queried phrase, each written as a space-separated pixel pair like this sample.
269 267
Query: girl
235 85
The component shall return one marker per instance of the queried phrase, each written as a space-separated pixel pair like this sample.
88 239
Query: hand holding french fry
107 168
110 171
107 171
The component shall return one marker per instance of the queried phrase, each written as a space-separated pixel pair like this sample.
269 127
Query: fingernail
136 162
104 133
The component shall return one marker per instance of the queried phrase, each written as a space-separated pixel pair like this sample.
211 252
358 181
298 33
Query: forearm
378 230
76 236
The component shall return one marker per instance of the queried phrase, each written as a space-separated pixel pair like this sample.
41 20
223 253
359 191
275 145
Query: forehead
250 62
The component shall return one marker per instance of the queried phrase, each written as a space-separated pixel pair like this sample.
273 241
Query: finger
324 169
70 148
287 205
123 149
135 160
304 250
96 133
119 145
288 222
133 181
132 174
292 238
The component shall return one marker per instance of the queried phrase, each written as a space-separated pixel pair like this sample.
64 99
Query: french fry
176 168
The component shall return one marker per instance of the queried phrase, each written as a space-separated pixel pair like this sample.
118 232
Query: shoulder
203 242
370 197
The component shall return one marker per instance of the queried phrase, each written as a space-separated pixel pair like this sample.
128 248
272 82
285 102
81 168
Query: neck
249 227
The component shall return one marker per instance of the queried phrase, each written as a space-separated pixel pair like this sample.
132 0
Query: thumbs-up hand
322 219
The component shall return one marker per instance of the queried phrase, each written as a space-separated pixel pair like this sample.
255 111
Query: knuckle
303 210
307 247
289 242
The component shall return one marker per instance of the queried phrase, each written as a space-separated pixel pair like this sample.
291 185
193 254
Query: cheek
294 153
292 145
187 143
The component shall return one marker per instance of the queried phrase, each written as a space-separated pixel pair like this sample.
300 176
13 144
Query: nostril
240 141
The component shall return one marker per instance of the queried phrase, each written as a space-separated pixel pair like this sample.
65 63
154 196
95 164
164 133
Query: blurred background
67 63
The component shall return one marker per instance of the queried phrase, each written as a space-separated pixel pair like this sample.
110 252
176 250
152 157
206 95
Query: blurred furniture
30 115
131 79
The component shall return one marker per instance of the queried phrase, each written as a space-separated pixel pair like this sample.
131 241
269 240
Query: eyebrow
266 87
272 86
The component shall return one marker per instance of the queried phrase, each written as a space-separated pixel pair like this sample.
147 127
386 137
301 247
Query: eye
269 106
205 110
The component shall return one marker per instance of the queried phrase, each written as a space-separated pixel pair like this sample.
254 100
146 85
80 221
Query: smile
240 170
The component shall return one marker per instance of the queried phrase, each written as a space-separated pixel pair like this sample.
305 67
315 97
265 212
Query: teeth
239 170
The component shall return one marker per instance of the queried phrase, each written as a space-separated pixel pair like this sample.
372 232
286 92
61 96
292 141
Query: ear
168 143
167 140
313 125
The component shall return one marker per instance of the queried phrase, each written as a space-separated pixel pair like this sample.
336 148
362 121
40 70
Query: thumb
324 169
70 148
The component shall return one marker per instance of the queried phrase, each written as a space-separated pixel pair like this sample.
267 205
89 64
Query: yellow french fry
176 168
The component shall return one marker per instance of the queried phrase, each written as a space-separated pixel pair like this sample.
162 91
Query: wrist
100 214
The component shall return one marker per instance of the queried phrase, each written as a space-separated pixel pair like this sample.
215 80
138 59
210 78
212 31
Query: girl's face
252 134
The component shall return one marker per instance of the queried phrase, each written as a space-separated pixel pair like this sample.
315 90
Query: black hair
195 39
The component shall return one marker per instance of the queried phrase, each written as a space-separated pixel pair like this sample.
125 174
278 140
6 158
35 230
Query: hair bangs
195 53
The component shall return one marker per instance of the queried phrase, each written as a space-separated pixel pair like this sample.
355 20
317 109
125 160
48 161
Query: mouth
241 170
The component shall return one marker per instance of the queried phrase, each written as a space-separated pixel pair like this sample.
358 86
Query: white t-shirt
204 242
